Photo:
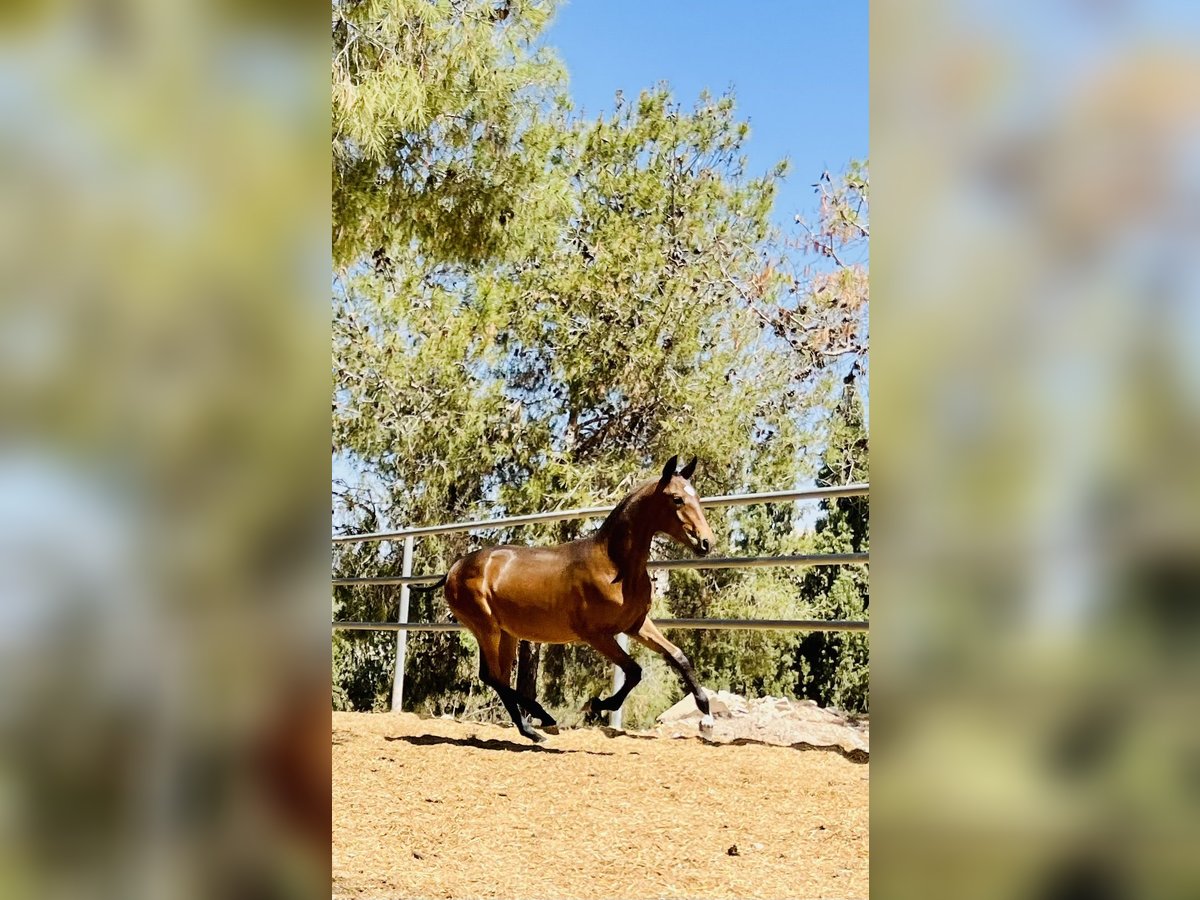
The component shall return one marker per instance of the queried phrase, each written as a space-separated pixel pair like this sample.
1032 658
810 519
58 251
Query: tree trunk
527 669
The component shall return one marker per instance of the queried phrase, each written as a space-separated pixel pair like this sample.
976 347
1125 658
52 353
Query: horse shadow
475 743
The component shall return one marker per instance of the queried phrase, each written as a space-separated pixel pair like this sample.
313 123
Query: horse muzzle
700 545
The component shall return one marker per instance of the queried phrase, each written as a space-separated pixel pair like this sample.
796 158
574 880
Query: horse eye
678 501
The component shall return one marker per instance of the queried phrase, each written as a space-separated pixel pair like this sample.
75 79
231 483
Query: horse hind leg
468 606
508 649
493 671
607 645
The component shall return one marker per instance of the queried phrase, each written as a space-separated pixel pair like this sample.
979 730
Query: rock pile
770 720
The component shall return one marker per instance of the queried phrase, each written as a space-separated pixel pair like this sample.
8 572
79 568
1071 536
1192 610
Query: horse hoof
535 737
550 729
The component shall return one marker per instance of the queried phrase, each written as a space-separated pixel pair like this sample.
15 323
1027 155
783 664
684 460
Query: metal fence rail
716 562
591 512
406 579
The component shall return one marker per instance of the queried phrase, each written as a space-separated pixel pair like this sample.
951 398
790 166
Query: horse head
680 515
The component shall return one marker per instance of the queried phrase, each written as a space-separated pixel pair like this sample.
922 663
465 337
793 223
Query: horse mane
614 532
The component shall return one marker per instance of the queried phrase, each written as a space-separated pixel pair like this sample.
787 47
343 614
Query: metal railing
591 512
409 535
716 562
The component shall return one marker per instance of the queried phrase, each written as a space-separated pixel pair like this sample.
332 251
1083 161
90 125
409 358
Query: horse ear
686 471
668 472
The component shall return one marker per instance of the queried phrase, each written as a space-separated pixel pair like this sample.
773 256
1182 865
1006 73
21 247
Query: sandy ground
437 808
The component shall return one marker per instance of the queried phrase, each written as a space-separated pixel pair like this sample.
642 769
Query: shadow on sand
427 740
854 755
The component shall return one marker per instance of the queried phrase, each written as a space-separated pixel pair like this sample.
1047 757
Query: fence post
402 634
614 717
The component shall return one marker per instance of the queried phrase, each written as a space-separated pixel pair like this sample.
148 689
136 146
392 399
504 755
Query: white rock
686 709
733 703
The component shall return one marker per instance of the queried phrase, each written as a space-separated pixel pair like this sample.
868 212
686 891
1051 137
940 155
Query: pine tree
564 377
832 666
438 128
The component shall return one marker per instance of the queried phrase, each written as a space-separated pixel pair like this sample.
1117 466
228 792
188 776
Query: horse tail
428 587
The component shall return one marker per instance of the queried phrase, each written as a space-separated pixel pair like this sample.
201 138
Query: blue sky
798 70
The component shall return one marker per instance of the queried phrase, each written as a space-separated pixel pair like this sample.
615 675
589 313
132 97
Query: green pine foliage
438 131
832 667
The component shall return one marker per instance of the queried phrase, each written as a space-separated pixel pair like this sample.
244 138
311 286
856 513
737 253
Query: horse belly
532 621
607 610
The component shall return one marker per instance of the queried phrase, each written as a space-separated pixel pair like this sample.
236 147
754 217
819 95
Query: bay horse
588 590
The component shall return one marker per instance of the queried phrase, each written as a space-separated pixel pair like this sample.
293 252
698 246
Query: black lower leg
512 703
633 674
687 674
534 708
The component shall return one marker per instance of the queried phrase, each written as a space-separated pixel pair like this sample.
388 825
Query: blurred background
1036 482
164 252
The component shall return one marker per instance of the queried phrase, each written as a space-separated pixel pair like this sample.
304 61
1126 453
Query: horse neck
627 533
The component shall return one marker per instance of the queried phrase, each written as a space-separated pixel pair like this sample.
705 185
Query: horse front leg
649 635
607 645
